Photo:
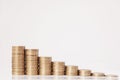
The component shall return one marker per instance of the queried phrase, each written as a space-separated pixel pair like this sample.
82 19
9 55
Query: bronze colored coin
31 52
19 59
54 73
18 67
72 67
17 56
45 72
98 74
17 70
58 63
57 69
18 48
45 59
32 64
15 73
18 64
31 58
31 73
18 52
32 70
84 72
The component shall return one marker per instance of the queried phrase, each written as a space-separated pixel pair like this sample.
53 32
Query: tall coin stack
72 70
31 61
85 72
58 68
18 60
45 65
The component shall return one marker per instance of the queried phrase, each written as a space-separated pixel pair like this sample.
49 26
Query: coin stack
58 68
18 60
112 77
31 61
72 70
98 74
85 72
45 65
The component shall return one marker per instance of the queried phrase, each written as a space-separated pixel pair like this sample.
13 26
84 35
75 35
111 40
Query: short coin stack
98 74
85 72
58 68
18 60
45 65
72 70
31 61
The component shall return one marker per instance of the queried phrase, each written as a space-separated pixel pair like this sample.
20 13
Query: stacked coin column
45 65
18 60
85 72
31 61
58 68
98 74
72 70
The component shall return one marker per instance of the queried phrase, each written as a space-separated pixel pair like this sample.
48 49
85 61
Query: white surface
61 78
80 32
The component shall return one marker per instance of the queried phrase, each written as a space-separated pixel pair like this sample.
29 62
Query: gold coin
31 52
15 73
45 59
31 58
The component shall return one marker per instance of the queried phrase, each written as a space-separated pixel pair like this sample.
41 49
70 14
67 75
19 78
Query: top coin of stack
45 65
85 72
98 74
58 68
31 61
72 70
18 60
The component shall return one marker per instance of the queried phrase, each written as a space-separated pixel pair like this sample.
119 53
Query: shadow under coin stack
58 68
31 61
18 60
72 70
45 65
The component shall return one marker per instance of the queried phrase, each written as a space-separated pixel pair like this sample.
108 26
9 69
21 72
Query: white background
80 32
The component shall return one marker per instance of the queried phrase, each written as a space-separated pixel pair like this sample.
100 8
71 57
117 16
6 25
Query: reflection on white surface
59 78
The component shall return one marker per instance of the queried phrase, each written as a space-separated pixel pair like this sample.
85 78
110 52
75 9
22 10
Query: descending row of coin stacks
27 62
